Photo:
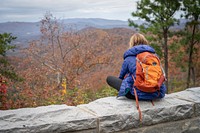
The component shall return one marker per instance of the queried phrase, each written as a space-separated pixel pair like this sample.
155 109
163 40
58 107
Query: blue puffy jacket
129 69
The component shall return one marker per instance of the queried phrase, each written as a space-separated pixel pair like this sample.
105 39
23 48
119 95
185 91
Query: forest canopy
70 66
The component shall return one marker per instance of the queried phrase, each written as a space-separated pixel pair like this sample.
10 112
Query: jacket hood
138 49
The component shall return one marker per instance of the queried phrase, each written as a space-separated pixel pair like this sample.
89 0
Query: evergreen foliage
6 69
159 15
192 34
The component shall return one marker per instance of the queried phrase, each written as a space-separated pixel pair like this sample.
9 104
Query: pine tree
6 69
191 10
159 15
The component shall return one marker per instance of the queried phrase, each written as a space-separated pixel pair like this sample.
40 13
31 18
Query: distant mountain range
27 31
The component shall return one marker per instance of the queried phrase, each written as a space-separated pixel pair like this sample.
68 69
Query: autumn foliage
66 66
3 92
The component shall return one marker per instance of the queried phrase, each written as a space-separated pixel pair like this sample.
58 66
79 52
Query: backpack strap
152 102
137 104
163 71
140 64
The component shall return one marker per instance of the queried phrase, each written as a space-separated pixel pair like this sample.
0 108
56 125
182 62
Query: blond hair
137 39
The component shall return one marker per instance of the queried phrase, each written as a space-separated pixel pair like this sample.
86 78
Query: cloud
25 10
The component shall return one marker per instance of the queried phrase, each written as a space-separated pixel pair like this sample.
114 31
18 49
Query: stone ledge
105 115
190 95
182 126
53 118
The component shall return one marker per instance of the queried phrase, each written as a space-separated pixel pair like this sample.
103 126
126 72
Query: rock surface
177 113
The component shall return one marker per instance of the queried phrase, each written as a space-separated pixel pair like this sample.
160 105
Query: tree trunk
165 31
189 66
58 78
193 76
190 63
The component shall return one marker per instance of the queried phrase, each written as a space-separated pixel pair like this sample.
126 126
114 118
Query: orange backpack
149 75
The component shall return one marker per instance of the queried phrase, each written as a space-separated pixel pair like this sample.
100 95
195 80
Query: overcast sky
34 10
